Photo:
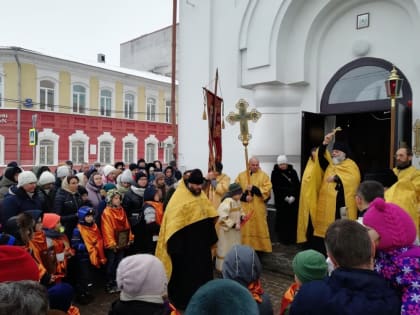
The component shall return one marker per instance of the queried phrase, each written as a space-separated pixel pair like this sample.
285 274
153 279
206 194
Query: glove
286 199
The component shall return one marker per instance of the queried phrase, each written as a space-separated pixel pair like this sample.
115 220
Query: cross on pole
243 116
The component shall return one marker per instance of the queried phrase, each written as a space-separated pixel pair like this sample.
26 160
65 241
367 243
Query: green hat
309 265
235 189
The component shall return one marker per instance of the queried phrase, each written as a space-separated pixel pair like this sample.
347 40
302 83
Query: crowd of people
159 237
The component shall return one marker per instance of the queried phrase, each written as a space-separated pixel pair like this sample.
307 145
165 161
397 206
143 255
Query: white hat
46 178
63 171
108 169
282 159
141 275
26 177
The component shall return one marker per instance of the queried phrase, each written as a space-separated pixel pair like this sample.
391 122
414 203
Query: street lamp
393 88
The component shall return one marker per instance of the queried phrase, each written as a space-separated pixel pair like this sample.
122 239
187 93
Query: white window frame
48 134
133 105
107 137
55 97
111 99
150 114
169 141
151 139
130 138
168 111
79 135
2 147
78 103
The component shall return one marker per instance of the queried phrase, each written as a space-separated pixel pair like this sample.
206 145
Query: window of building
79 99
106 148
47 150
150 152
168 111
79 142
129 106
128 152
105 152
130 148
77 152
168 153
151 148
46 95
151 109
106 102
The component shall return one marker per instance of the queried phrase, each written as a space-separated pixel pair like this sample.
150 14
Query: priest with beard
187 234
406 191
338 188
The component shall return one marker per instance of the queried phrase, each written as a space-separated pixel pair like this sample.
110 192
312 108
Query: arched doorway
355 99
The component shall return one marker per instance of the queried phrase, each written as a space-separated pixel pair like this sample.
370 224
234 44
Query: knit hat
108 169
196 177
62 171
393 224
222 297
83 212
11 171
309 265
127 177
60 296
149 193
235 189
140 175
110 195
282 159
341 146
46 178
141 275
17 264
242 264
26 177
109 186
159 175
82 190
50 220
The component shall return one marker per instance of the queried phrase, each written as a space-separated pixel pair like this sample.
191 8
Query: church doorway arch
355 99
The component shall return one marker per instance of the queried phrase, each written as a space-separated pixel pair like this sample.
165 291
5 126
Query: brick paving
276 277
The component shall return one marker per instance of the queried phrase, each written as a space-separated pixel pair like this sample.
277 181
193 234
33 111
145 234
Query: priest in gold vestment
336 197
256 192
406 191
310 186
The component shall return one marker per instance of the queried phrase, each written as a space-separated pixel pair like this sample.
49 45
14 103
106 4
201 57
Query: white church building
307 66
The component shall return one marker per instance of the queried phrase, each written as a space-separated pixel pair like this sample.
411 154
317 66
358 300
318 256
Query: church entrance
355 100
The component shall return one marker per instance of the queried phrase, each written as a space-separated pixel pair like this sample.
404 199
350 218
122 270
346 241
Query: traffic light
33 137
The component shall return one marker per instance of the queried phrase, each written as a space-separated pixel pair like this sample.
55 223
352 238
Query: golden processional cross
243 116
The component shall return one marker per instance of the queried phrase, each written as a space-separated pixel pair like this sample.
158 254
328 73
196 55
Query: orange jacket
114 221
94 243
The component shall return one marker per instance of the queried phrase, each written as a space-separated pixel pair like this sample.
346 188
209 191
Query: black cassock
192 266
285 184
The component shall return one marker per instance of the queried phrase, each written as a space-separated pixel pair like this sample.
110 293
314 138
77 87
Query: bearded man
187 234
338 188
406 191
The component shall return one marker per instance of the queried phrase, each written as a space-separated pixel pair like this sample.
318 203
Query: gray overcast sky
80 28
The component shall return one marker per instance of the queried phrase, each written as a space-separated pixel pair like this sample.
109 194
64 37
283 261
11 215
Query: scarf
256 290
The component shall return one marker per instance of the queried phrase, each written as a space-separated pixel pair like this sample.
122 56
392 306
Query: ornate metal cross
243 116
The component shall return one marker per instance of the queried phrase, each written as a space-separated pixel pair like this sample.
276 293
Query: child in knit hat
56 237
88 243
229 223
307 265
117 236
143 284
397 258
